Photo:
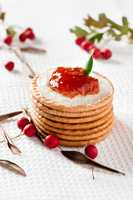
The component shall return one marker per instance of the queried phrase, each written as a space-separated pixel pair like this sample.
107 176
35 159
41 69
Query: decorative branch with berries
19 40
101 29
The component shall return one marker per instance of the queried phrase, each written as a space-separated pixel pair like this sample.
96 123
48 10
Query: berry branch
17 41
111 26
32 73
97 30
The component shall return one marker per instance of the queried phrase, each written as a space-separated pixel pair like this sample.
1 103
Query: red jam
72 82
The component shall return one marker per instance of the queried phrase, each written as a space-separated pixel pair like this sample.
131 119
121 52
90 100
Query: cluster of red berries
26 126
26 34
89 46
50 141
30 130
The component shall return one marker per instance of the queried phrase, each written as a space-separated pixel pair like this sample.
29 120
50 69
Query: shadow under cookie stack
77 125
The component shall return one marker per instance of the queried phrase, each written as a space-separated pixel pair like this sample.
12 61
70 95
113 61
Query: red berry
29 130
22 37
80 40
51 141
106 54
91 151
29 34
8 40
97 53
29 29
87 46
9 66
21 123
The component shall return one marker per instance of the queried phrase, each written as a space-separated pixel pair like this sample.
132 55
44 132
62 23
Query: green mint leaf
79 32
89 66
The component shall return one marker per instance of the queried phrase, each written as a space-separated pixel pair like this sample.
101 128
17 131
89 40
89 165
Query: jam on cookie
72 82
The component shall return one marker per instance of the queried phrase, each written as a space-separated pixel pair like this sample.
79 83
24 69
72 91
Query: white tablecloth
49 175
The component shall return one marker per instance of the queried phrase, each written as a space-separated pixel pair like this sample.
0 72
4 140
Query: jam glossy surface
72 82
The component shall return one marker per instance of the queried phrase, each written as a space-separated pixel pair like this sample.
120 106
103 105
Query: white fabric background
50 176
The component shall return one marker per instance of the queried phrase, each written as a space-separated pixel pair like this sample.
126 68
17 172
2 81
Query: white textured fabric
49 175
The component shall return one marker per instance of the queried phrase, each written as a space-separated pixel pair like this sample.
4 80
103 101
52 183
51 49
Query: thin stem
33 50
93 173
114 24
20 57
32 73
117 26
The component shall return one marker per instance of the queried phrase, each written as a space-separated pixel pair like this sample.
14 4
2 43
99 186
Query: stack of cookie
76 122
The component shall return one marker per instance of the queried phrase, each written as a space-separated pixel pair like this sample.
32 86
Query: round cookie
67 143
74 132
74 126
77 138
72 120
58 106
74 109
39 107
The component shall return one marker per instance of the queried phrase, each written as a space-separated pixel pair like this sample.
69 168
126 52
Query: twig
33 50
93 173
15 51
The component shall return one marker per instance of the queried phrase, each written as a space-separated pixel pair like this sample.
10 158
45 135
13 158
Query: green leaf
2 16
10 31
125 25
96 37
102 16
79 32
107 25
125 20
100 23
89 66
114 35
